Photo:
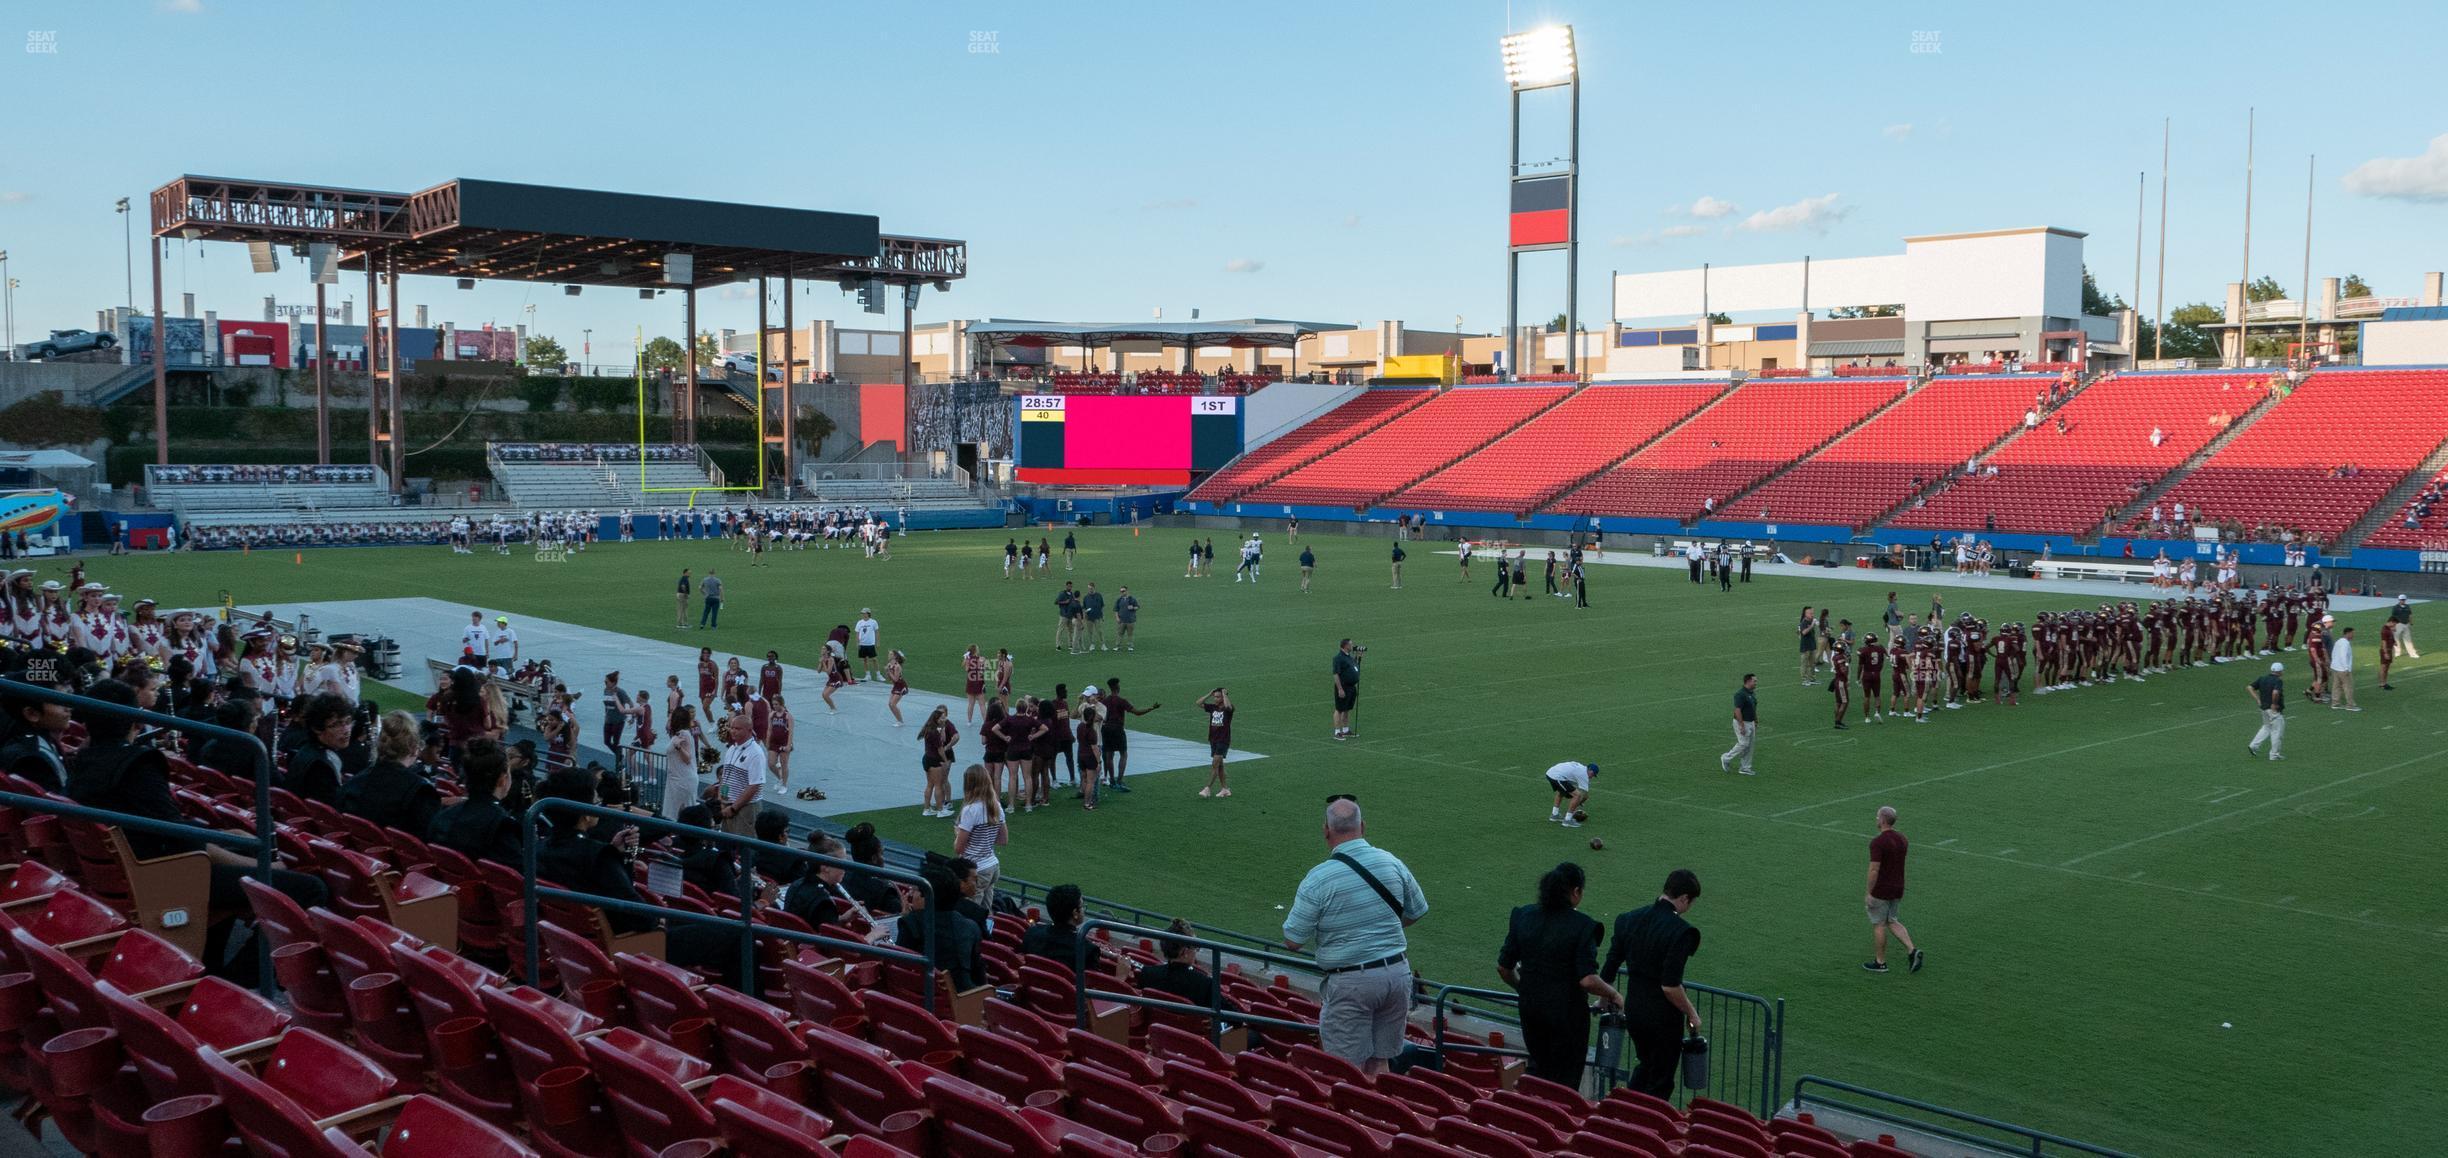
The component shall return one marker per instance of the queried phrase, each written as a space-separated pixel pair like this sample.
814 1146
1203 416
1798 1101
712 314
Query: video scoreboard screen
1124 439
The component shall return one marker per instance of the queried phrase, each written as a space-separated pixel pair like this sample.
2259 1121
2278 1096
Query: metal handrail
2035 1139
1436 1024
261 840
1214 1011
534 889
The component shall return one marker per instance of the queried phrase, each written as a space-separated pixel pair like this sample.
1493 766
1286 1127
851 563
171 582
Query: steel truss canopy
499 230
1262 333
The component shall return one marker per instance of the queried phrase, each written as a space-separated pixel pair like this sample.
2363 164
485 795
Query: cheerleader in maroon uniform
837 676
900 688
709 679
973 679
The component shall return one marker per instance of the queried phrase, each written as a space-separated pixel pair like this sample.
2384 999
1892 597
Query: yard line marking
2008 851
2254 807
1946 842
2137 875
2002 764
2287 900
2365 915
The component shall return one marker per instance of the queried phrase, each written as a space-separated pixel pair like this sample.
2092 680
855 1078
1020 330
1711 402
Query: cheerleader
1003 672
58 625
734 686
973 675
900 688
837 672
991 735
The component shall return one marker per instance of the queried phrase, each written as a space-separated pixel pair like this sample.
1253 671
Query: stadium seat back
1011 1069
1328 1130
861 1088
1119 1106
968 1122
753 1035
647 1100
905 1029
428 1127
758 1123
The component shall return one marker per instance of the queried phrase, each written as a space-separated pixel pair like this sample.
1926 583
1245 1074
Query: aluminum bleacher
211 488
1761 426
597 476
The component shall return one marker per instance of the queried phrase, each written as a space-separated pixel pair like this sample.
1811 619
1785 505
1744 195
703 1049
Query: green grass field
2101 878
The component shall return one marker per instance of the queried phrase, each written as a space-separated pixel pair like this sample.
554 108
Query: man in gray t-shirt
712 589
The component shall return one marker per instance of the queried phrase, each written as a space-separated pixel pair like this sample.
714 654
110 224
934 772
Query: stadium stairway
2012 433
2169 481
1551 494
1727 502
2390 510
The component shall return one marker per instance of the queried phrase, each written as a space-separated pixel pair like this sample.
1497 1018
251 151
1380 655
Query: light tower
1545 204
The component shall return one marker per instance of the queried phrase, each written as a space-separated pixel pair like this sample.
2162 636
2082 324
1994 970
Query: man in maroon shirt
1219 708
1886 893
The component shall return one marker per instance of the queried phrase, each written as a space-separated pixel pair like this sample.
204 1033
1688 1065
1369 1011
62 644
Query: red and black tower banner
1542 211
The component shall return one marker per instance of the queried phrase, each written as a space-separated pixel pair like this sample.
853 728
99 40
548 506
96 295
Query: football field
2136 934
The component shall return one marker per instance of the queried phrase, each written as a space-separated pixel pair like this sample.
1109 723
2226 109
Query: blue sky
1336 161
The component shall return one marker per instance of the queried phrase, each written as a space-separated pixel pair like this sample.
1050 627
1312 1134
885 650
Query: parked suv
69 342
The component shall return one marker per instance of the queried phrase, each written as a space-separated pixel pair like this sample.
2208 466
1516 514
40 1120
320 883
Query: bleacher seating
2065 484
1758 428
2429 515
1069 382
219 487
602 477
1524 469
1386 459
917 494
2319 459
1916 441
1363 413
393 1042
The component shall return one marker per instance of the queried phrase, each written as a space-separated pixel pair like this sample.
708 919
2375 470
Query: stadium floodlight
1539 58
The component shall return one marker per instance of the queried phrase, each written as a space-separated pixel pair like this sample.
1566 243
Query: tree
664 354
1843 312
1556 324
545 352
2355 287
2264 289
2096 304
709 352
2185 337
540 392
1717 318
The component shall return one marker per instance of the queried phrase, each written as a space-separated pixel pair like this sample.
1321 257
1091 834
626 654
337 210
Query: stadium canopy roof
1245 333
541 233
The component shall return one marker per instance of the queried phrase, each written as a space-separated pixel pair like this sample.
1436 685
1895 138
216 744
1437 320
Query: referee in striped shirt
1350 913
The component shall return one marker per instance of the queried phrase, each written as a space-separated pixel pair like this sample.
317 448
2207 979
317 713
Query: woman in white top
680 788
979 831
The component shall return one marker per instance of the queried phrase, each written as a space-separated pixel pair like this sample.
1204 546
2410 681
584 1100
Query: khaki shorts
1362 1014
1883 912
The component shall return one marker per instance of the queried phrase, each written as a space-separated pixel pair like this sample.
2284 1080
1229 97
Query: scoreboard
1124 439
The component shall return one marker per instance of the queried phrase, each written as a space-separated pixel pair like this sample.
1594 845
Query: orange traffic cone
298 559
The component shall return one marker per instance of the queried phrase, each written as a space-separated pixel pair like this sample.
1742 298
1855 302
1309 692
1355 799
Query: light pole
8 302
127 237
586 348
1545 205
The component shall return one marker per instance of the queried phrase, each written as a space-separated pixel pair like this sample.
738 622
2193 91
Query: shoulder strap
1372 882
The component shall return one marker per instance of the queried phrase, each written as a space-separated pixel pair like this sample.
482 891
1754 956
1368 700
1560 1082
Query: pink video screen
1126 432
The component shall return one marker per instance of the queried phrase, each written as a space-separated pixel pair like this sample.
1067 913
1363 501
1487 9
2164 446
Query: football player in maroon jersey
1873 660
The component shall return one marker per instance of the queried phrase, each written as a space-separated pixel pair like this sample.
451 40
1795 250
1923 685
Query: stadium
356 796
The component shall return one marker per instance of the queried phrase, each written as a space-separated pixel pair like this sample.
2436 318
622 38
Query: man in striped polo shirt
1350 913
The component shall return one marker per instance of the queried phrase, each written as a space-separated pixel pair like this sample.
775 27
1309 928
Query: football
1580 816
1596 843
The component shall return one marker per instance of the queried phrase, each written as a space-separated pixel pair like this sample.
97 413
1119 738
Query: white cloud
2418 178
1813 213
1244 265
1897 132
1683 231
14 197
189 7
1172 203
1351 221
1705 207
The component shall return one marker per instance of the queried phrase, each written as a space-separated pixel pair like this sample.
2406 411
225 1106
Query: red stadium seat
649 1101
1119 1106
1758 428
758 1123
305 973
1469 1137
1327 1130
539 1037
465 1052
310 1084
864 1090
1009 1068
1584 434
1385 460
664 996
428 1127
1353 419
1224 1136
164 1047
